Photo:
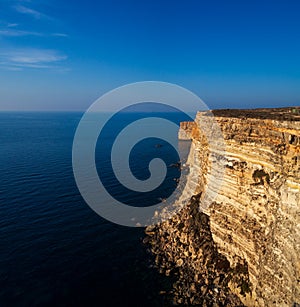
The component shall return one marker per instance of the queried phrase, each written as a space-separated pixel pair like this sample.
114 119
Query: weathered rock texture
244 248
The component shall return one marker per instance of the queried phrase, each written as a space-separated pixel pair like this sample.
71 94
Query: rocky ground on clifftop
282 114
184 250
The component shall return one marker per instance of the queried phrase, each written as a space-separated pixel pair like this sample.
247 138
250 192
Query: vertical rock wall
253 223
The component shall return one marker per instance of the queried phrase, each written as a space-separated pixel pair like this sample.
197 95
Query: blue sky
62 55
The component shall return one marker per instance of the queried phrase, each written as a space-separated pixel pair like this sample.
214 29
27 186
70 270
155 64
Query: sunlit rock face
251 228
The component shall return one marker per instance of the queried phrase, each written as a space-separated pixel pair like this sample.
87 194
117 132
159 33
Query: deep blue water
54 249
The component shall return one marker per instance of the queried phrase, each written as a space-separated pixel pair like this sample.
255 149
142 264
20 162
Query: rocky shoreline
184 249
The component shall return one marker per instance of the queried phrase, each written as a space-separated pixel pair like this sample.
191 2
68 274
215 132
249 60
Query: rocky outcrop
237 242
186 130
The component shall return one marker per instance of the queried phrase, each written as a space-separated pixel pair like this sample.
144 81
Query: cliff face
251 229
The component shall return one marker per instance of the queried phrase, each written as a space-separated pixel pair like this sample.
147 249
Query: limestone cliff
242 248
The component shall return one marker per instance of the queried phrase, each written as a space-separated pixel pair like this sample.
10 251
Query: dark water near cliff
54 249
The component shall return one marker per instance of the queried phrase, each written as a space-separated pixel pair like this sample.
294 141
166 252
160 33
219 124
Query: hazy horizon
138 111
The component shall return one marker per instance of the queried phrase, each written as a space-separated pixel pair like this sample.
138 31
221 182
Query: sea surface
56 251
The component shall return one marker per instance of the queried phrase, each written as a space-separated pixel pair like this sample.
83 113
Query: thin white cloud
28 65
14 33
32 58
12 25
36 56
12 68
59 34
28 11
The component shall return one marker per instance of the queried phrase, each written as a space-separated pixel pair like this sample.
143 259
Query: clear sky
62 54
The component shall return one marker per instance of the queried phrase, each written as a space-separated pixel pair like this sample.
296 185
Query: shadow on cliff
184 250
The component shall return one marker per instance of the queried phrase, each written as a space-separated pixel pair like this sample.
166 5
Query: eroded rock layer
244 246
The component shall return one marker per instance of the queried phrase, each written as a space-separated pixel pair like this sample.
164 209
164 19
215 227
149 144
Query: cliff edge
243 248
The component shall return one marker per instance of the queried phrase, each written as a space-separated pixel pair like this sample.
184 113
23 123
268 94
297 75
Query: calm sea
54 249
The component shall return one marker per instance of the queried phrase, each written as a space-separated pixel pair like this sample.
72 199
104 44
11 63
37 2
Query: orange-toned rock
252 228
